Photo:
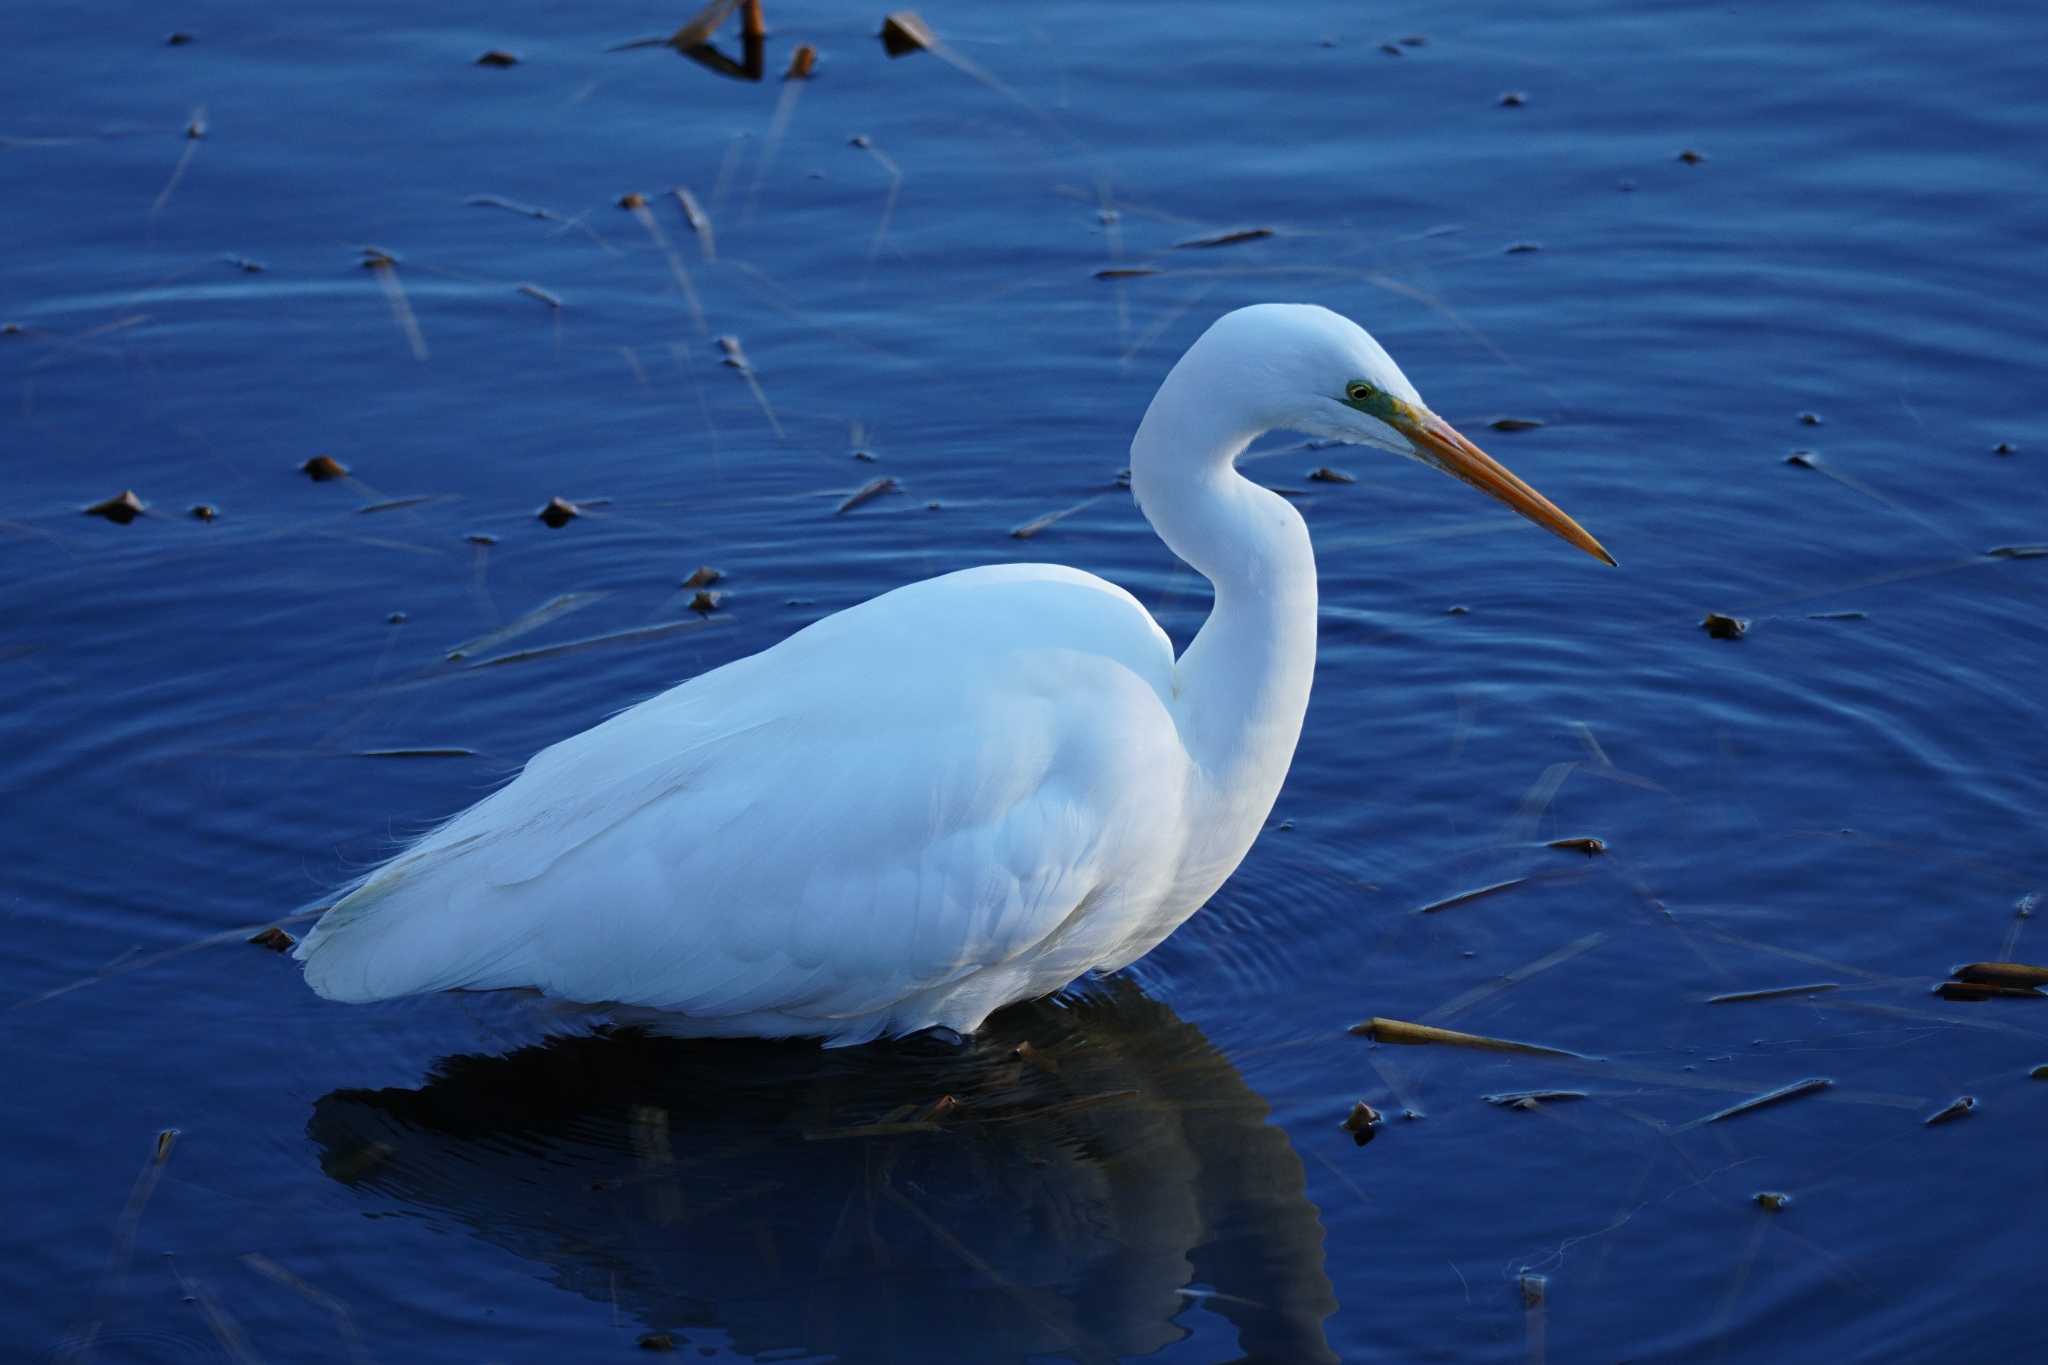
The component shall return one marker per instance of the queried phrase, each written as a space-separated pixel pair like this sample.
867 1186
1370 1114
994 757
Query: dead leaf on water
704 603
2003 973
657 1341
704 577
1724 627
559 512
275 939
867 492
1774 1200
1804 459
904 32
203 511
120 509
321 468
632 199
1401 1032
1231 238
1809 419
802 63
1363 1123
1588 844
498 57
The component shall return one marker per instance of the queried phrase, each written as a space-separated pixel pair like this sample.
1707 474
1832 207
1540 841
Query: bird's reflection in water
1077 1198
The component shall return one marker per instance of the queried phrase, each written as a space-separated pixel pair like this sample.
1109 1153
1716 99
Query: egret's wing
909 792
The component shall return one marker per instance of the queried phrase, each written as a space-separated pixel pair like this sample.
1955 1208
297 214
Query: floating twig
699 221
736 358
1038 524
1467 897
1953 1110
1811 1085
1771 992
1401 1032
866 493
384 266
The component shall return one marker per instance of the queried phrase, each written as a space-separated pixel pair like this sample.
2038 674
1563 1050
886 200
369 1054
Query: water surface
1850 794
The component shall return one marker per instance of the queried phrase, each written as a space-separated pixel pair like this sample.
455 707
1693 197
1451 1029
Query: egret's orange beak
1440 443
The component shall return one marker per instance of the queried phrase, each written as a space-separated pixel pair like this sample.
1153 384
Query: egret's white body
966 792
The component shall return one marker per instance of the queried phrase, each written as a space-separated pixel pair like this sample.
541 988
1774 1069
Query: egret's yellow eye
1358 391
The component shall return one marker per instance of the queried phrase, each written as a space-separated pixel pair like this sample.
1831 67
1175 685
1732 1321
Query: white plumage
962 793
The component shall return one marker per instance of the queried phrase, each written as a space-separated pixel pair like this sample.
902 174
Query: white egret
965 792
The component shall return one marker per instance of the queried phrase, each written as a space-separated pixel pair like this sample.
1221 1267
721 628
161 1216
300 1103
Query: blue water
1852 793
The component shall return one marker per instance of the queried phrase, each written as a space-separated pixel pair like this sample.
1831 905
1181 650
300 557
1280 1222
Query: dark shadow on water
1076 1201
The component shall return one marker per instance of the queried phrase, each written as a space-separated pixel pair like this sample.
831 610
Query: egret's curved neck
1243 685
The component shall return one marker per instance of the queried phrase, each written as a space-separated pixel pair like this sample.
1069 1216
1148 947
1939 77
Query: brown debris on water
1363 1123
1804 459
705 602
1985 990
1812 1085
2018 552
735 357
1325 474
1391 50
699 221
1231 238
177 38
2039 1073
202 511
498 57
322 468
704 577
1724 627
1527 1100
559 512
1956 1108
1513 99
1591 845
1515 423
904 32
1809 419
1125 272
1774 1200
1772 992
657 1341
1399 1031
1520 248
275 939
1467 897
2003 973
120 509
1691 157
866 493
803 63
1037 524
2003 448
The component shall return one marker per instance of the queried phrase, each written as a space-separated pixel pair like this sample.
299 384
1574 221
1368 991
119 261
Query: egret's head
1300 367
